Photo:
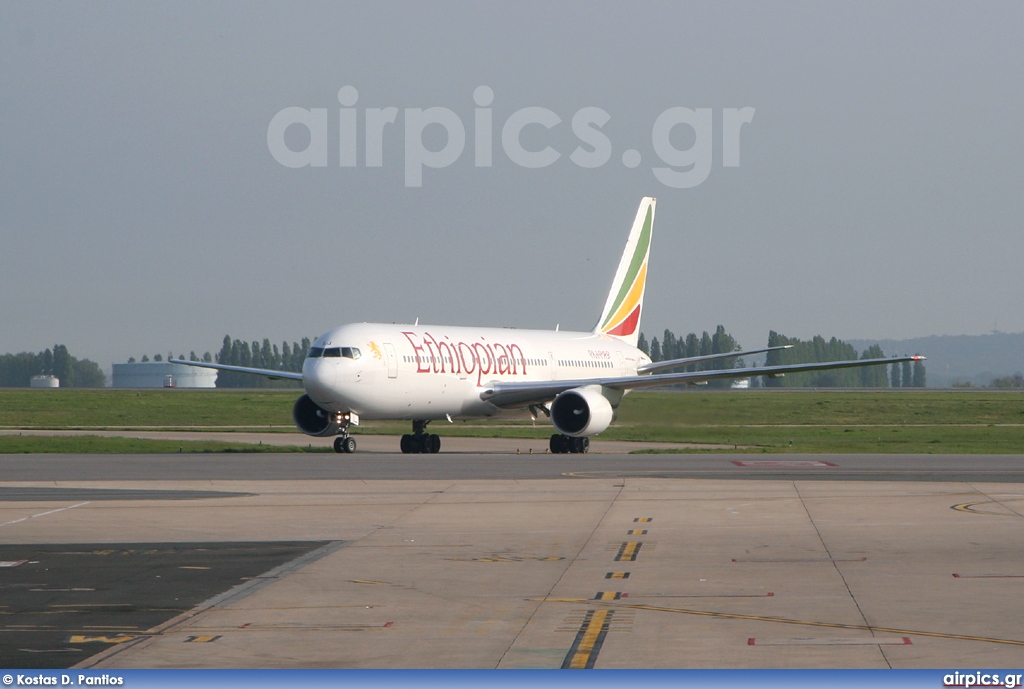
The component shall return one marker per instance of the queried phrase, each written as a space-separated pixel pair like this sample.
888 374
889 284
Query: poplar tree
873 376
918 375
641 344
668 345
62 366
691 348
655 350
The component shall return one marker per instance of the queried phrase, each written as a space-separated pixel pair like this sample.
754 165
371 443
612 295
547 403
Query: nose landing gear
420 442
345 443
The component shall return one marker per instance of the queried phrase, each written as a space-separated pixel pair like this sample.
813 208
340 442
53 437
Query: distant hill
951 358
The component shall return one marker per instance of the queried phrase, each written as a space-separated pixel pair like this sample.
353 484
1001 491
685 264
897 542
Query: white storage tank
162 374
44 382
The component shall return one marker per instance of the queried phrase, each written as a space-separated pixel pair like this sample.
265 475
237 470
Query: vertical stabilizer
621 315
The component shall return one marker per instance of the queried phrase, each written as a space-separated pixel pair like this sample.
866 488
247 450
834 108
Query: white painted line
43 514
782 463
833 641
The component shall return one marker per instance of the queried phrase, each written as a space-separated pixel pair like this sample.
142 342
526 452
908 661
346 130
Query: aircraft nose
319 378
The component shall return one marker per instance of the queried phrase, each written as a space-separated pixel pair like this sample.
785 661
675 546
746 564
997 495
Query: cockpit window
315 352
338 352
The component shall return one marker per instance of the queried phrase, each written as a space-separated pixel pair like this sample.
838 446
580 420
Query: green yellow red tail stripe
621 315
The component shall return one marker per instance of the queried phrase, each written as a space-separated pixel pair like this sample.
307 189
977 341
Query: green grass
93 444
20 408
869 440
981 422
816 407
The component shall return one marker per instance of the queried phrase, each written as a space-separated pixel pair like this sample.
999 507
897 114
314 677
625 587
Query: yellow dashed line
594 628
82 639
785 620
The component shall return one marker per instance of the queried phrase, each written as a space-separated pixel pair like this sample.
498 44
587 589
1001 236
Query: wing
510 395
269 373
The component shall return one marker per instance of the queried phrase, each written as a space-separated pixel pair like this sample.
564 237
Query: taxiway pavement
514 561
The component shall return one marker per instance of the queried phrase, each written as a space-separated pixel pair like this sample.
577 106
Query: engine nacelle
312 419
582 411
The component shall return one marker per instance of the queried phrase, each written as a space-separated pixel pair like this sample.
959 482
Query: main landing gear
421 442
563 444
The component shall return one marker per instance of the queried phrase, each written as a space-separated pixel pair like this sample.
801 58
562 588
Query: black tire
348 445
558 444
406 444
580 445
338 445
434 444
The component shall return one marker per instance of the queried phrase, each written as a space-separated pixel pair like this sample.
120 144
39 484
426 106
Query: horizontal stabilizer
686 361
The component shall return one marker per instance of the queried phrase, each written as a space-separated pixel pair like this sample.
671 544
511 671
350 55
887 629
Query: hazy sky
142 209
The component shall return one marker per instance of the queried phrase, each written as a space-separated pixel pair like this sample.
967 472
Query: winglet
621 315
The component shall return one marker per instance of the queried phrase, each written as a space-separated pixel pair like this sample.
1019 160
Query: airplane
425 373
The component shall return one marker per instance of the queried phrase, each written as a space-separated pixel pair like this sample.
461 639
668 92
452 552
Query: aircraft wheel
348 445
406 444
581 445
338 446
558 445
434 443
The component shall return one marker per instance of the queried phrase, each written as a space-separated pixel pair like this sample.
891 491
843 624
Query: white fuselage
385 371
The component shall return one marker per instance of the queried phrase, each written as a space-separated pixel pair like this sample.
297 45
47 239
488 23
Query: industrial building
161 374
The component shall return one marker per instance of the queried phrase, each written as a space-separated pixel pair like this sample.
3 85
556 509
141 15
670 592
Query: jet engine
582 411
312 419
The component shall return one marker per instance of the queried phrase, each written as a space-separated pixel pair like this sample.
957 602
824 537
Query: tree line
896 375
817 349
16 370
672 347
1014 382
260 355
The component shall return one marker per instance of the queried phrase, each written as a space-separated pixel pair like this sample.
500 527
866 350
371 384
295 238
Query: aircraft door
552 368
621 363
389 352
